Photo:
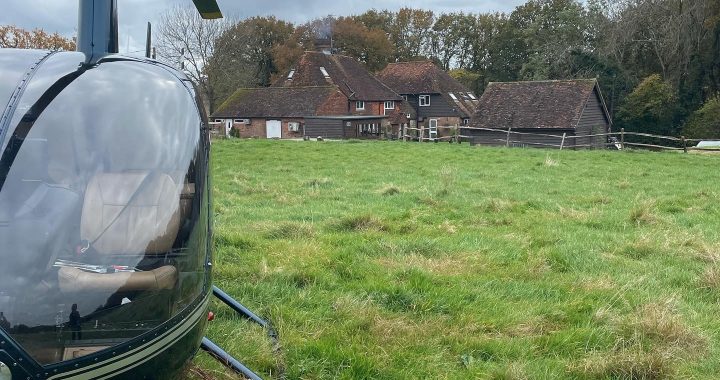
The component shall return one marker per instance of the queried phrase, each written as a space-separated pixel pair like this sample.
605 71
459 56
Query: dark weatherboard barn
570 107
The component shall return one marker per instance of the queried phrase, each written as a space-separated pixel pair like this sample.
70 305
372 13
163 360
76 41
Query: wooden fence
623 139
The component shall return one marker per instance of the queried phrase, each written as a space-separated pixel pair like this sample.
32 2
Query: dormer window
424 100
324 72
360 105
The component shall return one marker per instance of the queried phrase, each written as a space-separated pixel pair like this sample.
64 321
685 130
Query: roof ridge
547 81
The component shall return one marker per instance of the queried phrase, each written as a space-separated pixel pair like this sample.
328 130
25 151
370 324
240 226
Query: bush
705 122
650 108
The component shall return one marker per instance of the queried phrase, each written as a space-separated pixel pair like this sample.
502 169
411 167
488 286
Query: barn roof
274 102
424 77
344 72
535 104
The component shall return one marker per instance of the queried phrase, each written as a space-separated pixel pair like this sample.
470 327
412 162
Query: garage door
274 129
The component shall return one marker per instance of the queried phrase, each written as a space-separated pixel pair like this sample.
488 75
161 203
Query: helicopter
105 212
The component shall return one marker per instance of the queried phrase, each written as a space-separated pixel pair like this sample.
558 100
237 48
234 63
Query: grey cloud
61 16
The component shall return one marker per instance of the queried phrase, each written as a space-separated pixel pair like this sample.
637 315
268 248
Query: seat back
119 222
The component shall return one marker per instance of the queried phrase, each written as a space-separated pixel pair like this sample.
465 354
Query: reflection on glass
101 214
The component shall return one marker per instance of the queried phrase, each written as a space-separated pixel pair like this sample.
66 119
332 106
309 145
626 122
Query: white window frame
360 105
389 103
452 96
324 72
466 121
424 100
472 96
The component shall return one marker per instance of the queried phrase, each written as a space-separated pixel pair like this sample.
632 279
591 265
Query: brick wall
257 129
335 105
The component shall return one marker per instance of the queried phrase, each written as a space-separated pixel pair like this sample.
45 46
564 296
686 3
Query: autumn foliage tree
14 37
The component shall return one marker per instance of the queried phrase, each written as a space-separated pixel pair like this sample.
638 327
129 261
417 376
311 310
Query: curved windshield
103 210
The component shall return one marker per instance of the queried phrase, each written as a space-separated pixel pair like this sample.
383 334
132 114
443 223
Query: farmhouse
365 94
436 98
545 110
286 113
323 95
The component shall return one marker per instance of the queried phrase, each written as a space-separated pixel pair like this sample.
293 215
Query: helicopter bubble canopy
103 201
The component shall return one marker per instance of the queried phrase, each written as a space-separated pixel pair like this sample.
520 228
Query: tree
705 122
187 42
244 55
410 33
650 108
14 37
371 47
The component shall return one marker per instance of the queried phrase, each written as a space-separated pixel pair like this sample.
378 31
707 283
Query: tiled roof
344 72
274 102
537 104
424 77
419 77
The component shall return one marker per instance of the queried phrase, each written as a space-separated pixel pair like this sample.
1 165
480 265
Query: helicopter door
274 129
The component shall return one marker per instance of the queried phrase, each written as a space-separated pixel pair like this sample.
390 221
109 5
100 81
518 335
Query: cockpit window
103 213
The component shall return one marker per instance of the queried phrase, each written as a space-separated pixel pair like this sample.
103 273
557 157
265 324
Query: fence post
422 133
622 138
684 143
507 139
562 143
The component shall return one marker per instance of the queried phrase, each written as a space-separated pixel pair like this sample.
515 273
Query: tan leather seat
148 226
119 223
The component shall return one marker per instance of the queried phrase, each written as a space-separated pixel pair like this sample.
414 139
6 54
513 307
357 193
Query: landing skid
223 357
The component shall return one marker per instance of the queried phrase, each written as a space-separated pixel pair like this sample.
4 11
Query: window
294 126
324 73
218 120
424 100
452 96
359 105
466 121
290 76
389 106
470 94
405 97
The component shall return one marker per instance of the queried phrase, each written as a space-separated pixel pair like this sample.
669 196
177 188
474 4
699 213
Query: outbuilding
542 112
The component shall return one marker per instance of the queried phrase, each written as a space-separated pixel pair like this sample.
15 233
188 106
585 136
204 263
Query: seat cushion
76 280
147 226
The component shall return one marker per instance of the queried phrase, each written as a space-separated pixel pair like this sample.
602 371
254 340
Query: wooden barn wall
325 128
593 121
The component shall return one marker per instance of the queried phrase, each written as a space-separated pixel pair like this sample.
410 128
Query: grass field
407 261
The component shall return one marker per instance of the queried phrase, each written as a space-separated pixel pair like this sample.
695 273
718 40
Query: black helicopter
105 211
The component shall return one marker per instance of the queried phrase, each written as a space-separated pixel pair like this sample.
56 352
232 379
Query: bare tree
187 41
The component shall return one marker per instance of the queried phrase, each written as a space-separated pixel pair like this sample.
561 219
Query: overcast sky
61 15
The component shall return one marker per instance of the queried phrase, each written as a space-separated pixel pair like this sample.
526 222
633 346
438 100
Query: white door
228 127
274 129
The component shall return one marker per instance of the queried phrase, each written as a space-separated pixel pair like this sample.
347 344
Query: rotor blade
208 9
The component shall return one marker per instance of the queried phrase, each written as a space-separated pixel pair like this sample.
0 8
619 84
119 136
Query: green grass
404 261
